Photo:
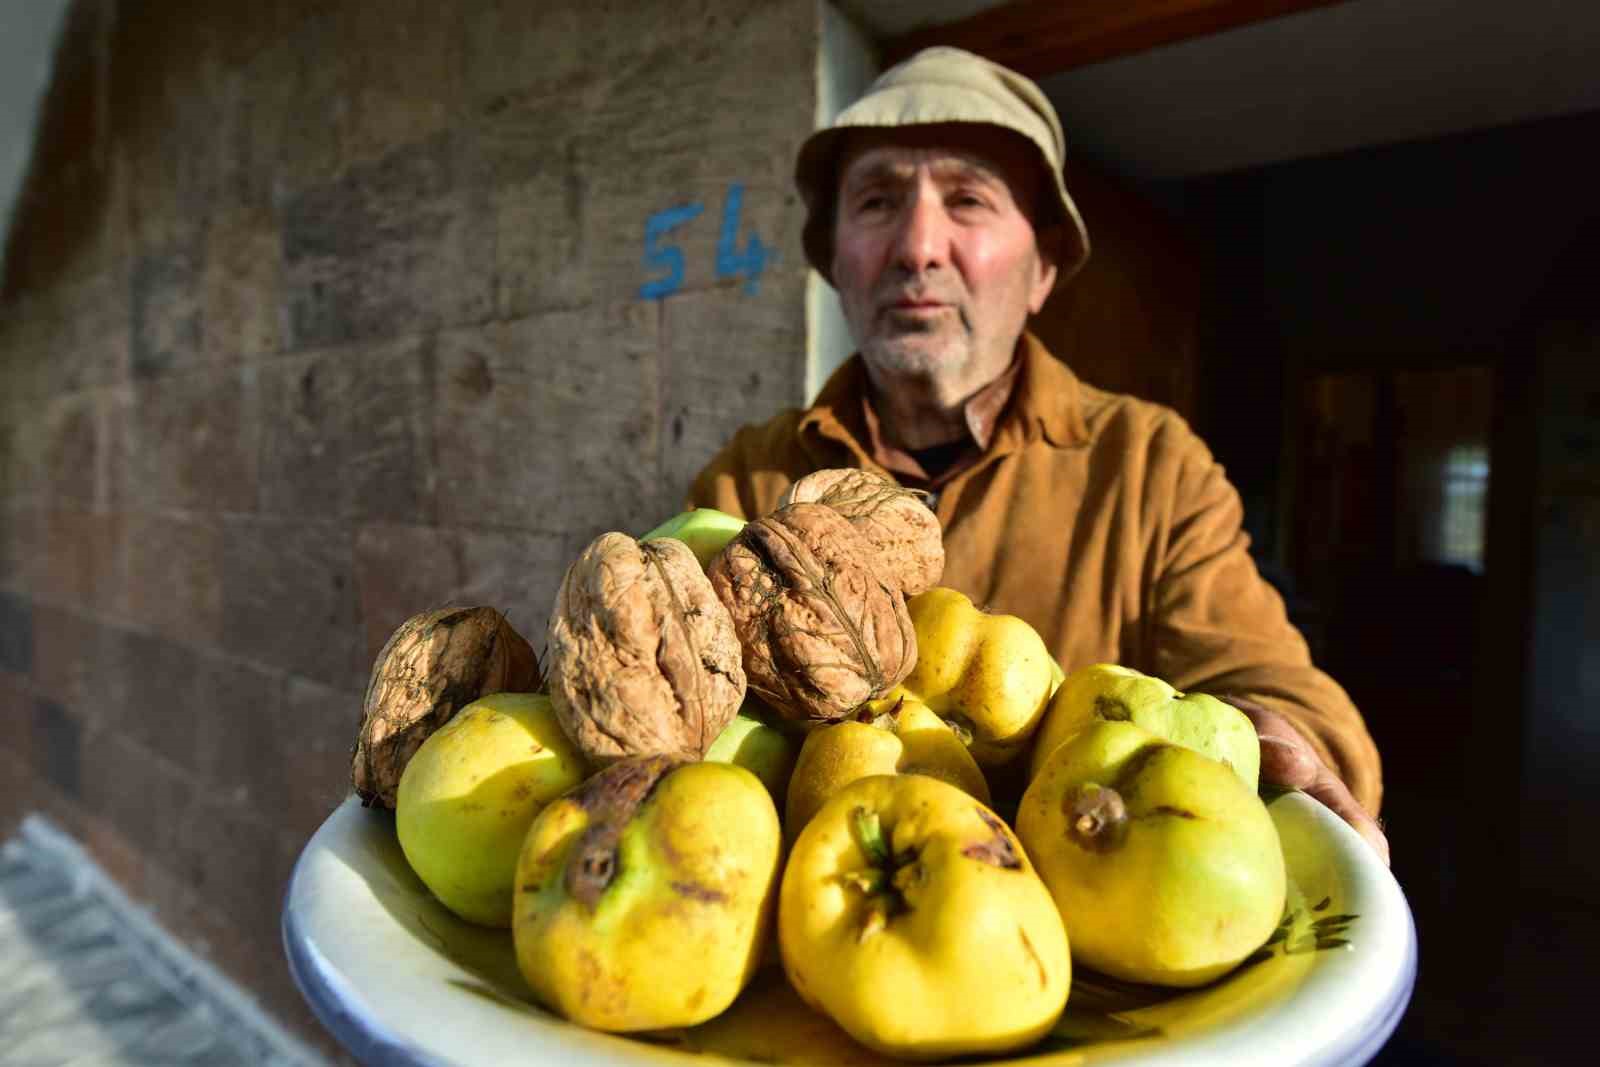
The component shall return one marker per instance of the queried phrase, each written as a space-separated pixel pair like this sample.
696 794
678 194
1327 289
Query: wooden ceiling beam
1043 37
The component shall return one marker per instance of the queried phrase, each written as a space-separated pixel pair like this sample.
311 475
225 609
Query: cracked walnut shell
901 528
643 659
823 630
434 665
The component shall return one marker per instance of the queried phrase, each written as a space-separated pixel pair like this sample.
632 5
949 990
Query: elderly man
936 208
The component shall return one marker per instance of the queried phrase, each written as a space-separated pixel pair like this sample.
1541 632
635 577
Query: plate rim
354 1023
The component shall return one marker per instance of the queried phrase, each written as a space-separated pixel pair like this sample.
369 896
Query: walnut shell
432 666
823 630
901 528
643 659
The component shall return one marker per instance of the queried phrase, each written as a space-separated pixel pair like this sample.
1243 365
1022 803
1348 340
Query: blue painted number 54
732 262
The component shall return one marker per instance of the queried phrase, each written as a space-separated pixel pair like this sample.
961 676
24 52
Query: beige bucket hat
938 85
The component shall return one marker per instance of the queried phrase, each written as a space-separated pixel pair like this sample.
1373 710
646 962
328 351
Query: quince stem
1097 817
869 835
880 884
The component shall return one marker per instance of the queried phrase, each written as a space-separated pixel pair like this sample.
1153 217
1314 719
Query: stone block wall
319 314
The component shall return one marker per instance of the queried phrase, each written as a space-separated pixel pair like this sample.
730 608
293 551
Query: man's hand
1288 760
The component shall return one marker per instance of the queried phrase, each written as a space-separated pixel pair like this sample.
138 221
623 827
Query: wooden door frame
1043 37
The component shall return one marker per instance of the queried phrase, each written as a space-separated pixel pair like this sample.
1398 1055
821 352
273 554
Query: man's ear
1051 243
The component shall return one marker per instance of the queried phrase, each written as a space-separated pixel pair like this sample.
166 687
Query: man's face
935 256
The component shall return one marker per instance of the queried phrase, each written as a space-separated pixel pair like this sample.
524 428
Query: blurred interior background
315 315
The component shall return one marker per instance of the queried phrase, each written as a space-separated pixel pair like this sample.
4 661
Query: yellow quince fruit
467 797
910 915
989 676
902 736
644 896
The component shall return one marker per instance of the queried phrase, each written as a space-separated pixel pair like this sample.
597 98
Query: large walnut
432 666
901 528
823 629
643 659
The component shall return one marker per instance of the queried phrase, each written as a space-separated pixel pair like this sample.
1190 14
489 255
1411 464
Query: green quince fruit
1108 692
468 795
763 750
704 530
1166 869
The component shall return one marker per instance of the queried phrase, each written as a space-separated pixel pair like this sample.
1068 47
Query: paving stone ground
88 980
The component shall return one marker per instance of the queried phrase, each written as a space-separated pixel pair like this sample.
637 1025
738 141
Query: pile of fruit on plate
782 741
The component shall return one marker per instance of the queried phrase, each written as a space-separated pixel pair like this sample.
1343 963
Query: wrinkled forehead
971 149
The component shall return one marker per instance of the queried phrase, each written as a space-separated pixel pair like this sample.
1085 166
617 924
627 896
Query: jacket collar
1046 402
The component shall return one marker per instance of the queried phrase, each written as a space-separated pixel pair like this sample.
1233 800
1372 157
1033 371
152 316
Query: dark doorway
1396 368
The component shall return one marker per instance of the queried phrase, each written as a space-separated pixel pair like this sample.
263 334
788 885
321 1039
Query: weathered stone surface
346 433
726 361
57 741
675 126
549 422
584 150
168 307
73 335
393 246
538 203
95 314
67 663
191 442
16 634
16 735
21 546
517 572
165 111
284 107
125 783
71 434
82 561
402 67
240 756
581 44
20 340
241 286
402 571
173 575
289 599
209 714
74 428
239 864
311 766
627 187
294 181
500 40
24 445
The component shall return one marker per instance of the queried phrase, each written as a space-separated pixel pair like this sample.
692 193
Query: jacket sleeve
1216 626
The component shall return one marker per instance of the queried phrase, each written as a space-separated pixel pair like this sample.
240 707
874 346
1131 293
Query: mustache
900 292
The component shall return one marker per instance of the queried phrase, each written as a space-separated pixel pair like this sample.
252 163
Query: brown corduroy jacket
1104 522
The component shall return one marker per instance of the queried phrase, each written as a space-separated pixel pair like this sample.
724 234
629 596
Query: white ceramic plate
399 980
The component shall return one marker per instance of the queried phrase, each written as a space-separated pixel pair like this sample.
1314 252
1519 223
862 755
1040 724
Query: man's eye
967 200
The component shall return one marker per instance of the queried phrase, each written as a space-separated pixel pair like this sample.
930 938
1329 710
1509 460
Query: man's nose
923 241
